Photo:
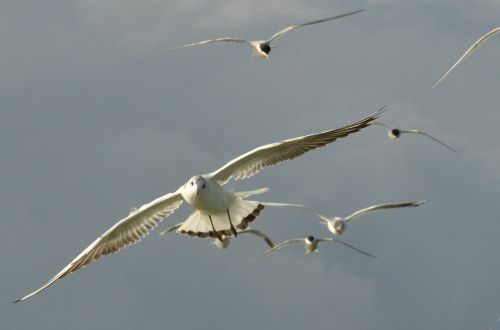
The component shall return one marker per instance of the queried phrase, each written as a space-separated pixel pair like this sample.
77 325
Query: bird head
394 134
195 186
339 226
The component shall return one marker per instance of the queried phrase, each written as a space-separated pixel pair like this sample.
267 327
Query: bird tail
241 211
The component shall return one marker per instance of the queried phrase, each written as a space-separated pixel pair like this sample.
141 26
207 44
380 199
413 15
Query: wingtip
439 81
18 300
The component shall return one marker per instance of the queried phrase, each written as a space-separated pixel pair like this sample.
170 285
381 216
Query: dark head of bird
265 47
310 238
396 132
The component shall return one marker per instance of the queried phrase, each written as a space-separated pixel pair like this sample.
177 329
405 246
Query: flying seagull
262 48
311 245
469 51
395 134
338 225
217 211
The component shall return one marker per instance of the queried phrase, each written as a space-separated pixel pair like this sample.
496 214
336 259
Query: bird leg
219 237
231 224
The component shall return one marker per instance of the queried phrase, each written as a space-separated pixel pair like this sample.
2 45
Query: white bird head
338 226
195 186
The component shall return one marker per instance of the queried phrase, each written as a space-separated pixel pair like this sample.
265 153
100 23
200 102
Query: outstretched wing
380 207
469 51
211 41
282 244
333 240
382 124
416 131
298 206
293 27
260 234
125 232
253 161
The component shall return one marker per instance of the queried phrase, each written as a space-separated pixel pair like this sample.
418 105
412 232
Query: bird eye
203 186
192 183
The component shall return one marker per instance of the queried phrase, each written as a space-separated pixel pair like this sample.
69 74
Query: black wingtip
16 301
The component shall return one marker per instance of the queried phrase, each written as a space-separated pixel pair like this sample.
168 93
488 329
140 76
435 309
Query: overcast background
97 115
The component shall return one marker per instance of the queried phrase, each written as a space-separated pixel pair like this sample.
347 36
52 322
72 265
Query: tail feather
242 212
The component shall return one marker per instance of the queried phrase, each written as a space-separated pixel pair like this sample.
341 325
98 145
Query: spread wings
125 232
293 27
253 161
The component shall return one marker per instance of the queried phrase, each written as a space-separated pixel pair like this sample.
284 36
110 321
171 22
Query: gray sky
98 116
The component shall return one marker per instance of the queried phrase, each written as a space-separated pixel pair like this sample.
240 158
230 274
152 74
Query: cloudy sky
98 115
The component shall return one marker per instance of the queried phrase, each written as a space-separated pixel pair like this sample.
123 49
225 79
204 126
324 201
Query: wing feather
253 161
416 131
333 240
469 51
210 41
293 27
380 207
125 232
282 244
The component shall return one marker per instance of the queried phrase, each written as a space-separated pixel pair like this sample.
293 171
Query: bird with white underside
217 211
311 245
395 134
262 48
338 225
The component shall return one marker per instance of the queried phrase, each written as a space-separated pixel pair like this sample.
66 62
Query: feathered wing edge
255 160
125 232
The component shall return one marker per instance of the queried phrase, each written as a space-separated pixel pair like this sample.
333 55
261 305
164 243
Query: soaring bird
217 211
338 225
311 245
262 48
395 134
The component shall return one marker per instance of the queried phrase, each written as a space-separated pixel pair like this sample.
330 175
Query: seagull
469 51
395 133
311 245
262 48
217 211
338 225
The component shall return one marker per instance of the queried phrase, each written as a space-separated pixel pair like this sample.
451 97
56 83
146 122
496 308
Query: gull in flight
311 245
217 211
469 51
224 243
395 134
262 48
338 225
